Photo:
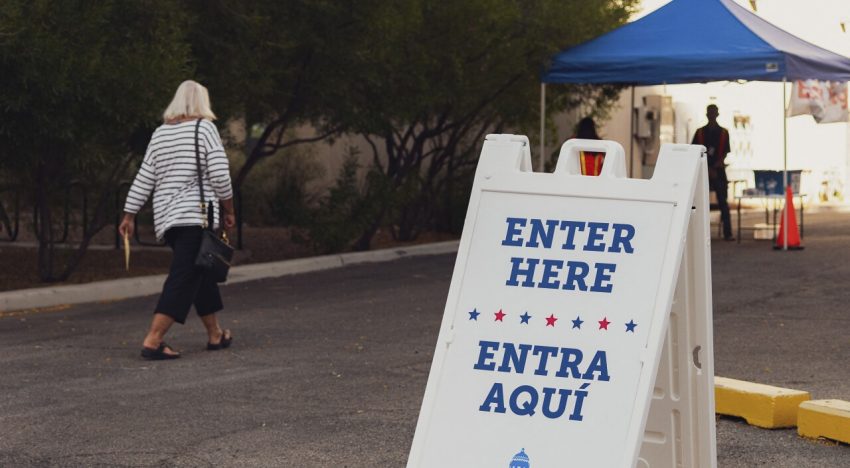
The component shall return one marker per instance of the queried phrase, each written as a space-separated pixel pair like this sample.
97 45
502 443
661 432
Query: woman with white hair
169 170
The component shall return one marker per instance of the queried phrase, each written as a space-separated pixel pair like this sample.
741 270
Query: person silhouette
716 141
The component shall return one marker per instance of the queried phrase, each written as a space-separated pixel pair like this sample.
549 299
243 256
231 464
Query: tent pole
632 134
542 126
785 167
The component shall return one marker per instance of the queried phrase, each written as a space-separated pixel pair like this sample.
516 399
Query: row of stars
551 319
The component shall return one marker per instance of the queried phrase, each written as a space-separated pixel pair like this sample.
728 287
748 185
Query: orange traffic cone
793 231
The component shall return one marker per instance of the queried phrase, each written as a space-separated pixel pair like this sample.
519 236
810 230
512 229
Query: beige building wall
753 112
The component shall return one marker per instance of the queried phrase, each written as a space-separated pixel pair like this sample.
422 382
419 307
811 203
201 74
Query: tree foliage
437 77
82 85
278 64
422 81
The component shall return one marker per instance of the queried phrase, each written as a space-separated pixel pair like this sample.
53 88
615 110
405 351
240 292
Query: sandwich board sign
577 329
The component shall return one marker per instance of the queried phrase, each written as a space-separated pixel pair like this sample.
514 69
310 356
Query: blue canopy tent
693 41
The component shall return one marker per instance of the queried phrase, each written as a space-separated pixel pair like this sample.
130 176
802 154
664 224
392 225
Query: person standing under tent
716 141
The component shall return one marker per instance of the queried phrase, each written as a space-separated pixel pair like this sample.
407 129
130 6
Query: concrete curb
146 285
828 419
760 405
772 407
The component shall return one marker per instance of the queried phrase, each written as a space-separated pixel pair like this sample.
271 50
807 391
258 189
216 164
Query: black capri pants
187 284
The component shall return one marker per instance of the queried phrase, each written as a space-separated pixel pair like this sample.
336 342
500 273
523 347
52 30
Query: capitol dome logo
520 460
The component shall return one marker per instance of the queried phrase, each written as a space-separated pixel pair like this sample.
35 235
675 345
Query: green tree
278 64
82 86
436 77
423 81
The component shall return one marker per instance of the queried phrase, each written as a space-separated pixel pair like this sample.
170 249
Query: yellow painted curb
761 405
825 418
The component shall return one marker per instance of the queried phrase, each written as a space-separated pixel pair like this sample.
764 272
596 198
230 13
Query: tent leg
541 164
785 166
632 134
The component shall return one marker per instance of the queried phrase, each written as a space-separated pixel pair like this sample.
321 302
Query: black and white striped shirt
169 171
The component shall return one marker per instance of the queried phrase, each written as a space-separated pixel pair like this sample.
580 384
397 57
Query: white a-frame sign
577 330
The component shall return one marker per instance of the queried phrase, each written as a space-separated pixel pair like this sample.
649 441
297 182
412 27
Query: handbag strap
209 211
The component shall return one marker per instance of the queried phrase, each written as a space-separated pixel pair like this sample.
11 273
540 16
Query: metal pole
542 127
785 167
632 134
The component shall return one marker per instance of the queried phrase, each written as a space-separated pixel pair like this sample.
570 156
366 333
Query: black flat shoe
226 339
159 353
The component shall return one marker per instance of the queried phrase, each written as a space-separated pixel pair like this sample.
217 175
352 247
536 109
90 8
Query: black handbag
215 253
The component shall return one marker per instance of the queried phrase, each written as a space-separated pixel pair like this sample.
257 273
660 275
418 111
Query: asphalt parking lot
328 369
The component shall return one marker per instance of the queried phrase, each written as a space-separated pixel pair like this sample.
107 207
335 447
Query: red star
603 324
550 320
500 315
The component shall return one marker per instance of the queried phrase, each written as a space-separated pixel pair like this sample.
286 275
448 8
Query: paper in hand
127 251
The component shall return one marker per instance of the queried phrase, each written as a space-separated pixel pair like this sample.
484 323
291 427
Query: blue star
577 322
524 317
474 315
630 327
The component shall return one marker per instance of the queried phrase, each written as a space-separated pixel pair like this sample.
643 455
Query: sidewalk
146 285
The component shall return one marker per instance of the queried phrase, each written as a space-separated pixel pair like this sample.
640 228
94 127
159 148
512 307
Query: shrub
278 194
350 208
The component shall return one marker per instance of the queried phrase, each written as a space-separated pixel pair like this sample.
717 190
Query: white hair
191 100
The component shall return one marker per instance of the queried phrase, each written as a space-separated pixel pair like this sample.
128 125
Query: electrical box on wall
655 125
647 116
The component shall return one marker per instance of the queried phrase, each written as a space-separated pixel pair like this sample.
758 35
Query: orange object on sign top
591 163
